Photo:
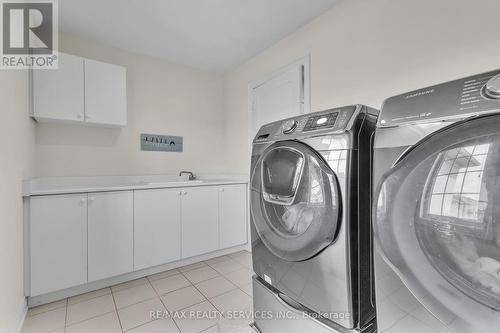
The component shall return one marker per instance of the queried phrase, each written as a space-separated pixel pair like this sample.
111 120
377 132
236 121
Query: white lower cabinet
200 220
157 227
58 242
110 234
80 238
233 215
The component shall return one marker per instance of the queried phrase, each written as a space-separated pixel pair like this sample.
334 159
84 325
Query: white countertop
67 185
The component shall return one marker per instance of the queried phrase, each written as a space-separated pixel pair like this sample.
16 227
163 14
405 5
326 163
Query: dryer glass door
295 201
438 220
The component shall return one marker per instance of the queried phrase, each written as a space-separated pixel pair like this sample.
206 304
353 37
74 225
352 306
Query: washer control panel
321 121
289 126
328 122
333 120
492 88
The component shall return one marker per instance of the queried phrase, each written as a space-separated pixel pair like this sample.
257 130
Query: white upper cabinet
157 227
110 234
233 215
58 242
80 91
59 94
105 93
200 225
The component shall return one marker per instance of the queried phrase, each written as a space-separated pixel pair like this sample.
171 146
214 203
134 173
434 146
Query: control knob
492 88
289 126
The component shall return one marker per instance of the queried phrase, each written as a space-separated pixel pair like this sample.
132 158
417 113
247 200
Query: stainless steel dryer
437 208
310 213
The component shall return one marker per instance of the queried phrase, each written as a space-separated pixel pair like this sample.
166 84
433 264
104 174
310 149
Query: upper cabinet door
59 94
200 225
110 234
58 242
233 215
157 227
105 94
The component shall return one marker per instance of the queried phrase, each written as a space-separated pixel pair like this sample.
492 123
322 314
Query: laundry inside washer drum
457 215
308 201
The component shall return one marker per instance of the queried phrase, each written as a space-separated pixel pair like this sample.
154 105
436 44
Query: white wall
163 98
16 163
363 51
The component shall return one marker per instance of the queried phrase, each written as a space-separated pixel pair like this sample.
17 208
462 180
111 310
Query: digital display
321 121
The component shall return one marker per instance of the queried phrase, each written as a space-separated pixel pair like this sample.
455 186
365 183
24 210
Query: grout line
116 310
209 301
174 274
93 317
213 278
173 291
37 314
206 329
165 306
192 269
85 300
218 262
65 316
126 288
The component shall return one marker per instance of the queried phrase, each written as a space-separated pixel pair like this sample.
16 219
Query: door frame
305 61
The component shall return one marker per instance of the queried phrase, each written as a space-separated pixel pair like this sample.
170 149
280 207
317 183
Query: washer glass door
295 201
437 220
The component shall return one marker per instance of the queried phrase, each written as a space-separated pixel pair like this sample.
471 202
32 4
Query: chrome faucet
191 175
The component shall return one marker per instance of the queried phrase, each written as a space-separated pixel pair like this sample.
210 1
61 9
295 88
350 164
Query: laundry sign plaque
155 142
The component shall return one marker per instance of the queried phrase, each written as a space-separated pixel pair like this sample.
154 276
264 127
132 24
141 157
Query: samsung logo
420 93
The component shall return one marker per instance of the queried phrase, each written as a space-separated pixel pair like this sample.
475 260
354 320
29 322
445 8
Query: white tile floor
217 285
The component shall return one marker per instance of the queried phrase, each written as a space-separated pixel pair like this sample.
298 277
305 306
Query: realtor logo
29 34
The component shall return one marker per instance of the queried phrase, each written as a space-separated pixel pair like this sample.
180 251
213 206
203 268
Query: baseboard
18 325
91 286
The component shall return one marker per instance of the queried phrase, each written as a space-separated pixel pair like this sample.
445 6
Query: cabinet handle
222 190
91 199
179 193
82 201
185 193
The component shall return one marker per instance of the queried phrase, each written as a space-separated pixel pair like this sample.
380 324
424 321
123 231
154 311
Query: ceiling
214 35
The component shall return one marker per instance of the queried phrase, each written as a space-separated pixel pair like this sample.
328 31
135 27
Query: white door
110 234
233 215
283 95
58 242
200 225
157 227
105 93
58 94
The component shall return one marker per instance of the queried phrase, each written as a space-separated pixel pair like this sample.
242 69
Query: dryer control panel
449 101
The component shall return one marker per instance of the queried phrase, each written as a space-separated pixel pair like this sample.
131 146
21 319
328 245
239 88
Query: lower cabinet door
110 234
157 227
58 242
233 215
200 225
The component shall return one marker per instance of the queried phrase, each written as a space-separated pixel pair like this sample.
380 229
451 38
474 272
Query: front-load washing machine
437 208
310 222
